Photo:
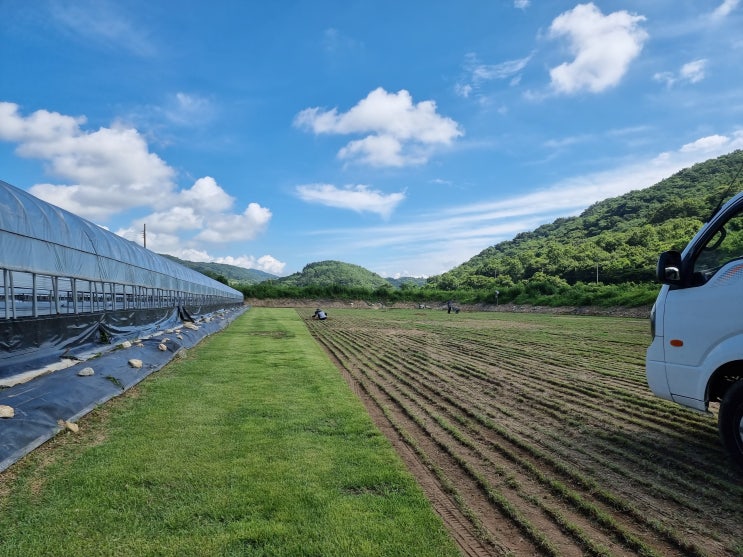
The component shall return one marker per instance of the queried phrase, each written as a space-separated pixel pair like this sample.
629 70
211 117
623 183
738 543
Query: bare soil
537 434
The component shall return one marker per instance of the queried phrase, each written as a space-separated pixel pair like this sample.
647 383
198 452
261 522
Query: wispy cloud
357 198
691 72
335 42
478 73
102 23
724 9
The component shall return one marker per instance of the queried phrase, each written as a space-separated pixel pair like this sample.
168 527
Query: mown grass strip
251 445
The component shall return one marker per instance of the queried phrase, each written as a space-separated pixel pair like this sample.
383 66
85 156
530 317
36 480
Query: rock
189 325
162 347
135 363
6 411
72 426
86 372
126 344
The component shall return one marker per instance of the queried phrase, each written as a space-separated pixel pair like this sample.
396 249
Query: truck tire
730 421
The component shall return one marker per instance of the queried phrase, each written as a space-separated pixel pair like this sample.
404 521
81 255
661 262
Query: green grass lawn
251 445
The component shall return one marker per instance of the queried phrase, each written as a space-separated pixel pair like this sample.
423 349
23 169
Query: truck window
724 246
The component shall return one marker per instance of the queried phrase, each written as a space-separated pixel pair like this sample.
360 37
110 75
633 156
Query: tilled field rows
537 434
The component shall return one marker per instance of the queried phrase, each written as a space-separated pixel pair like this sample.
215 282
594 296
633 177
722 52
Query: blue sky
402 136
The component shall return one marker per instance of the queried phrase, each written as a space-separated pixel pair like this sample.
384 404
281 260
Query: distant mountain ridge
232 273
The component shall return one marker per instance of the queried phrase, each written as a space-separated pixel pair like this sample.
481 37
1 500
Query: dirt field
536 434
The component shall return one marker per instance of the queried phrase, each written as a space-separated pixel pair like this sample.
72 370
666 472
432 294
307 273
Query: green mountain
406 281
334 273
233 274
613 241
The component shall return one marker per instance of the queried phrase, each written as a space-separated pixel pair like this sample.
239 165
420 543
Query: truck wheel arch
722 379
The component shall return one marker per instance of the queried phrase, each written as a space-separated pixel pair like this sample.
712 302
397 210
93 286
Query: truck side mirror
668 270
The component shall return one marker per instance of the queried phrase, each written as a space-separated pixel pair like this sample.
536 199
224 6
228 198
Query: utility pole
144 235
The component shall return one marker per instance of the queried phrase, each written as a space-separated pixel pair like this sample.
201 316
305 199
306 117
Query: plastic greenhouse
66 283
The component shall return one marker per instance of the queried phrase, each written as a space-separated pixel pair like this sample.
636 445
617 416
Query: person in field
320 314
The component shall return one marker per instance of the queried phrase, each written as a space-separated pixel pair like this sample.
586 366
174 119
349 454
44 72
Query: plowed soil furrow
585 399
525 461
532 479
568 408
538 436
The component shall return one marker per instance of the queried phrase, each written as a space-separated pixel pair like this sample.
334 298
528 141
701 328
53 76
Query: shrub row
543 290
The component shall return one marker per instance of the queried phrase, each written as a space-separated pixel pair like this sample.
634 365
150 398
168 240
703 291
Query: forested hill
620 237
335 274
231 273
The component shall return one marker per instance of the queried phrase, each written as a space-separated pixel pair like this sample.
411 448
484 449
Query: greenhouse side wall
68 286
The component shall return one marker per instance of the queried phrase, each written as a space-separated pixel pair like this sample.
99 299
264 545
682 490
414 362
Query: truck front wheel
730 422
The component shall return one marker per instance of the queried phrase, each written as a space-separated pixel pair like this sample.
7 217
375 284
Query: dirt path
537 435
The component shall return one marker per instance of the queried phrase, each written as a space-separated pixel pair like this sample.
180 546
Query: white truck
696 356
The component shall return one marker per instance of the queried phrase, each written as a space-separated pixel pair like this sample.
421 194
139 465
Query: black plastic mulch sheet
31 343
63 395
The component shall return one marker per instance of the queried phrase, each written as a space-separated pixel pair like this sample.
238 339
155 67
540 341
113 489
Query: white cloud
693 72
603 47
724 9
198 256
205 210
110 169
266 263
521 4
381 150
173 220
715 144
396 131
206 196
234 228
358 198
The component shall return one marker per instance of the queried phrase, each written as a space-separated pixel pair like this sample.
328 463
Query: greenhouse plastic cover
43 404
37 237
